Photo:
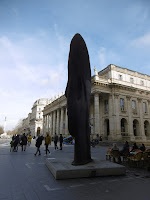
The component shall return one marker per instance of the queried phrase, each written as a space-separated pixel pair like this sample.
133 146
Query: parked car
68 140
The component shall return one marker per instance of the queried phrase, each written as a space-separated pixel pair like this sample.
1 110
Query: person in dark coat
38 144
61 141
142 148
15 143
125 148
55 141
13 137
23 142
134 147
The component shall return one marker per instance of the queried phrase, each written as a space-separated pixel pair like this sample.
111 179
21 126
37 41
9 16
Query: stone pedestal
61 168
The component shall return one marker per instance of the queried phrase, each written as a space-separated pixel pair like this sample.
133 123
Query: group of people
126 148
19 140
23 141
48 142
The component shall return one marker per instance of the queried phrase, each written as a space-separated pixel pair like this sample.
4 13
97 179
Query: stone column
66 123
48 116
96 114
130 119
141 119
54 122
43 124
47 123
118 122
111 117
148 109
61 120
57 126
51 123
101 128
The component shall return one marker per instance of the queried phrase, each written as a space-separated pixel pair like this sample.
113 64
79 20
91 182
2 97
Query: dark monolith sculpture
78 93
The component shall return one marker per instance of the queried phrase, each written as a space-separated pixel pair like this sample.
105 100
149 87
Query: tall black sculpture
78 93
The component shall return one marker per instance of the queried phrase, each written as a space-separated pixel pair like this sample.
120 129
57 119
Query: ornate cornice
116 95
139 99
100 83
128 97
124 87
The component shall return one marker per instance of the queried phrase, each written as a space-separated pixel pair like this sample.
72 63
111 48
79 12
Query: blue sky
35 37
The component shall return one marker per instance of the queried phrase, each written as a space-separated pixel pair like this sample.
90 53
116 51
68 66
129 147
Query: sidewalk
26 177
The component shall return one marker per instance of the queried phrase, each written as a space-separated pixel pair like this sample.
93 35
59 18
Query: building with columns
33 124
119 109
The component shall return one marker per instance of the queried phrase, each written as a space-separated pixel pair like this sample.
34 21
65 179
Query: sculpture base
82 163
63 169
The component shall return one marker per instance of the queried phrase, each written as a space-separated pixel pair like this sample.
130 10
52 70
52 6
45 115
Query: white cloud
30 70
4 93
143 41
107 57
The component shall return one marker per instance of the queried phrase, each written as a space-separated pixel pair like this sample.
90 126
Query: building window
122 104
106 105
120 77
142 82
133 105
144 107
122 125
39 109
131 80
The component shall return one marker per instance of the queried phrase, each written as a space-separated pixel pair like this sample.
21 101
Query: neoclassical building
119 109
36 120
33 124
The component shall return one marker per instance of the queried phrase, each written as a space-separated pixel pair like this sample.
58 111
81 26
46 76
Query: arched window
38 130
124 127
136 129
147 128
107 131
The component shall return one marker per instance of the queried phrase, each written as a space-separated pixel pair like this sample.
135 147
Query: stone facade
119 109
34 122
26 124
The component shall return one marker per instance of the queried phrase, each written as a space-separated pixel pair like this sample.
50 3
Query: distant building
33 124
119 109
26 124
36 119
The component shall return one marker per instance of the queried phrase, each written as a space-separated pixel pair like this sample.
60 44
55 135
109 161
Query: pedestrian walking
55 141
23 142
38 144
13 137
29 140
15 143
11 145
47 142
61 141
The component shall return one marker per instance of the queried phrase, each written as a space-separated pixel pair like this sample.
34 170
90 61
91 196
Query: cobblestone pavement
26 177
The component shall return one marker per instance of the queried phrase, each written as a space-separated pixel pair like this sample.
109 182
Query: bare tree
17 130
1 130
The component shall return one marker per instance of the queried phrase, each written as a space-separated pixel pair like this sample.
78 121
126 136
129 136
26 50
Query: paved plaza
26 177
